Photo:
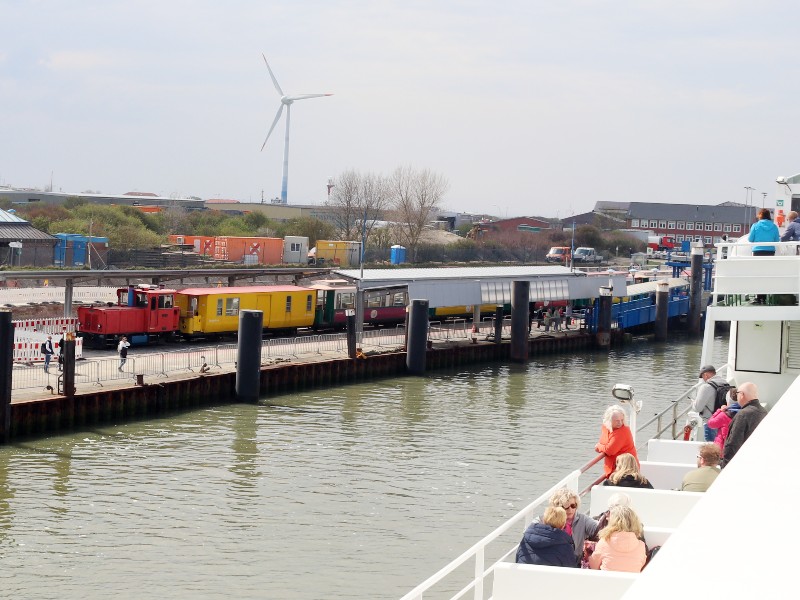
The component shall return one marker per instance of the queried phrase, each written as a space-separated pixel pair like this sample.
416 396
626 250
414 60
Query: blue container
686 246
397 255
71 250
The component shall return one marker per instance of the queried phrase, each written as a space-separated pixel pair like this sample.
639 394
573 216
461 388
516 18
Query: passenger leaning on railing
615 438
763 230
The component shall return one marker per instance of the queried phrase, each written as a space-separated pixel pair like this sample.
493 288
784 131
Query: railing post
478 589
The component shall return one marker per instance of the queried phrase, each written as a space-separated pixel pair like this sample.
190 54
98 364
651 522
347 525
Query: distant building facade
697 223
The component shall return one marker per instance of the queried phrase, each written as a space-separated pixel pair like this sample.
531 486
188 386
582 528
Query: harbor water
360 491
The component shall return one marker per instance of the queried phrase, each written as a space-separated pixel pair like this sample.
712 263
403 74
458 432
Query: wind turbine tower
286 101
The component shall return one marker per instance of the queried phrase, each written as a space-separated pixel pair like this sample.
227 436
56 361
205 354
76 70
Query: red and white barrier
31 351
52 326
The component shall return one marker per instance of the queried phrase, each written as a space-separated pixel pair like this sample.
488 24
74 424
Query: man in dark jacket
745 421
792 233
546 542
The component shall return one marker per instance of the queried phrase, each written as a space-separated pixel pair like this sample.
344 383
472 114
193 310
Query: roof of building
692 212
7 217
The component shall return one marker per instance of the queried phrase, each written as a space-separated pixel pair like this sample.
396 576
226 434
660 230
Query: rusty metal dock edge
60 414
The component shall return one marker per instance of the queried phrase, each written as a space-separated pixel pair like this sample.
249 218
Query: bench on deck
665 475
533 582
673 451
656 536
656 508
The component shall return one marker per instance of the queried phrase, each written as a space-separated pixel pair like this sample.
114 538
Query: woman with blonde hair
620 548
579 525
615 438
546 542
626 473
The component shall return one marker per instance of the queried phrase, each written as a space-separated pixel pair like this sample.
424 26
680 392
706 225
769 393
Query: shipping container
338 253
261 250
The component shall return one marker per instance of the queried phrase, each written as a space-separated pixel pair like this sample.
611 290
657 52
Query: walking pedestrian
61 353
48 351
122 349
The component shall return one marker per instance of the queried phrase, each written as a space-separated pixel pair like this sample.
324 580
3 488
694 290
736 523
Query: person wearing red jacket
615 438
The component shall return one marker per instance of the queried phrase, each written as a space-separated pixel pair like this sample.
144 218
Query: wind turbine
286 101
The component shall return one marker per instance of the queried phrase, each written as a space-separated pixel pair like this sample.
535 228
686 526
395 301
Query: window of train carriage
288 304
165 301
231 307
399 299
345 301
193 305
374 301
219 307
309 302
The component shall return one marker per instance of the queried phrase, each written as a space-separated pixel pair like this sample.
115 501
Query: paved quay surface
98 369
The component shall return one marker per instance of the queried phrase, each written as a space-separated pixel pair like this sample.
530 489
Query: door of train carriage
162 313
326 307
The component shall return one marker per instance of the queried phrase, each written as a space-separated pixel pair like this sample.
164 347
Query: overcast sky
527 107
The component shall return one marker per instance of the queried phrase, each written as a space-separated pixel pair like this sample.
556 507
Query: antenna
286 101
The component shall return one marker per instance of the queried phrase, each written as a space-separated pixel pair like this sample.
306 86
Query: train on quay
148 313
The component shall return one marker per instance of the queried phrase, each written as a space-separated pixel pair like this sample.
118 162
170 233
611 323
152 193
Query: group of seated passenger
559 537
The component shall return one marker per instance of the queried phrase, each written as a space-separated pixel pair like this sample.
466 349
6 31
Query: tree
313 229
358 201
415 197
344 201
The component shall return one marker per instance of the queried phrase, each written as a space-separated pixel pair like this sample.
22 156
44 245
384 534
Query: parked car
558 254
586 255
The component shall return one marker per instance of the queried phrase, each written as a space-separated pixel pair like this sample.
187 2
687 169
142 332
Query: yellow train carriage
443 312
206 311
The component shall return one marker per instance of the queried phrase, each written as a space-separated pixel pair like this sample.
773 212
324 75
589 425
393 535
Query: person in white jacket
122 350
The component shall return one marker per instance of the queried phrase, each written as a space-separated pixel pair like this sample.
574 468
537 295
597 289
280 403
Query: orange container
249 250
203 244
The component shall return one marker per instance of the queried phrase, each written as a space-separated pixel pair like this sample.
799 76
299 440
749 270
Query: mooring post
604 303
696 291
498 324
6 367
248 355
417 336
520 299
662 311
68 365
351 332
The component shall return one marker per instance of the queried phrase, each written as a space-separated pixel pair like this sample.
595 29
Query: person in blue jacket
763 230
546 542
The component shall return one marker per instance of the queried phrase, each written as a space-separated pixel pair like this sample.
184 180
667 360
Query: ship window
231 307
288 304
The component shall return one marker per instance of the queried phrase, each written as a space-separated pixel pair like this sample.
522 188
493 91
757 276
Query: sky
534 108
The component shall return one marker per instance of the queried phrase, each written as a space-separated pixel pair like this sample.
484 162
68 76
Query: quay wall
61 414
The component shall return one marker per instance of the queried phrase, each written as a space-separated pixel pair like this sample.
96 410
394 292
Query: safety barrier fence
52 326
56 294
29 374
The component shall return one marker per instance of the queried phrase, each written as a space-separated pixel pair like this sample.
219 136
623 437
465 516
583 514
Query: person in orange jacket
615 438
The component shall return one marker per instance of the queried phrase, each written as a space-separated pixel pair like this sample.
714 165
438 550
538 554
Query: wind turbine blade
274 81
304 96
275 122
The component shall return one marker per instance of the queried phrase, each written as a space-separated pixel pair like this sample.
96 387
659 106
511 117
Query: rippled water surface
354 492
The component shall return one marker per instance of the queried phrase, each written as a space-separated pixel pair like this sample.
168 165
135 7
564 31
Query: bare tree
358 201
344 201
416 196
